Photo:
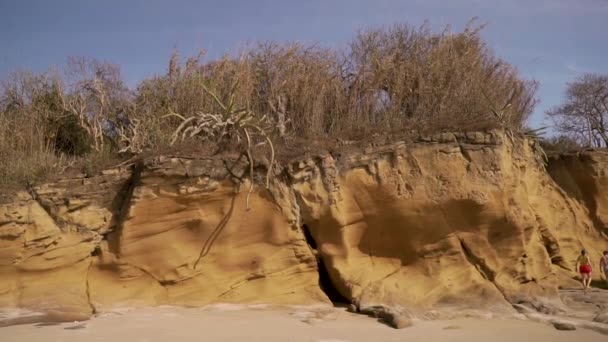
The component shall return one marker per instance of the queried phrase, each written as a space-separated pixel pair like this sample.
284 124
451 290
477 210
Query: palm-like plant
231 122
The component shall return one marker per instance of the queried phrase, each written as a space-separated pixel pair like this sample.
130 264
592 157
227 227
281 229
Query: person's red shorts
585 269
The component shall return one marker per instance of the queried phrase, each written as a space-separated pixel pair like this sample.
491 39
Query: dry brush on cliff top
387 81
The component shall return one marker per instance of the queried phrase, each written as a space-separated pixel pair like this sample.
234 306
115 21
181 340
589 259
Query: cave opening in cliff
325 282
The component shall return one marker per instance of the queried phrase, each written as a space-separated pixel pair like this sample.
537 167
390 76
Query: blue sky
552 41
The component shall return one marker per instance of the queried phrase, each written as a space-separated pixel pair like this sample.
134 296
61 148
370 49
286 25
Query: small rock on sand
351 308
395 318
399 322
452 327
561 325
601 318
76 327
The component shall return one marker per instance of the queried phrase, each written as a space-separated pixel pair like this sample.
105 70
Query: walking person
583 264
604 267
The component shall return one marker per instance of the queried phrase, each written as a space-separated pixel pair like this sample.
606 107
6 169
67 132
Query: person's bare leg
583 278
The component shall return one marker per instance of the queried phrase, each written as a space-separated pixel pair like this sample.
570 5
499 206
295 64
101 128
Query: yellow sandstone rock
451 221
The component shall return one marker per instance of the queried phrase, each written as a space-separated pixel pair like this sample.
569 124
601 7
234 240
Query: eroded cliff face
462 220
456 220
584 177
171 231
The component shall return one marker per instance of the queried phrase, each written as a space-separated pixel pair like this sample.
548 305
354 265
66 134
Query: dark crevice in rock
465 153
215 233
47 207
309 239
168 282
325 282
88 288
480 265
9 237
231 165
96 251
477 262
121 205
4 223
148 273
76 208
551 245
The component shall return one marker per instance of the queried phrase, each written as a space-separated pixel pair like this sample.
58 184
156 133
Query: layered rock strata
471 220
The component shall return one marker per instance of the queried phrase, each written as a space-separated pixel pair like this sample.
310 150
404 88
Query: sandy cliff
584 176
451 221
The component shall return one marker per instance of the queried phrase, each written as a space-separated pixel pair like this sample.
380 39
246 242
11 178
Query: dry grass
415 78
388 81
561 144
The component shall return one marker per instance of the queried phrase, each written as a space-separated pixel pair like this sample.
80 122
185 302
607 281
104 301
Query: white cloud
573 67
